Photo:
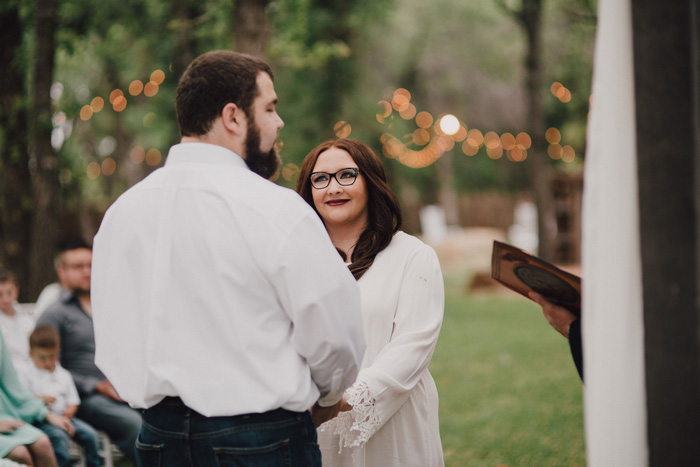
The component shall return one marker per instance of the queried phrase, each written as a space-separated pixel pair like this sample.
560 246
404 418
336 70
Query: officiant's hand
559 318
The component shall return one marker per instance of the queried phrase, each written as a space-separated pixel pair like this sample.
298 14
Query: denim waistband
174 403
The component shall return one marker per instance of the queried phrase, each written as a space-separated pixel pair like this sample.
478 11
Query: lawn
509 391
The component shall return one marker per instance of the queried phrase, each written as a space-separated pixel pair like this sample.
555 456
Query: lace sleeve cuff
355 427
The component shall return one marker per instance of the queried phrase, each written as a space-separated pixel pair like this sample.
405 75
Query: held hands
321 415
9 426
559 318
62 422
105 388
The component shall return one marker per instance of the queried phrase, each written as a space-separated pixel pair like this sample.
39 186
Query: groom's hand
321 415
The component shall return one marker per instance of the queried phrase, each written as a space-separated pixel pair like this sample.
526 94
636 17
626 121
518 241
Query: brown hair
6 276
44 337
384 212
211 81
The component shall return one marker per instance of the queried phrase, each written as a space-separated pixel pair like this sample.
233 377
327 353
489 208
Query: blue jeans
121 423
85 436
175 435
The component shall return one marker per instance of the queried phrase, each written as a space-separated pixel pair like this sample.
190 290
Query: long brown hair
384 213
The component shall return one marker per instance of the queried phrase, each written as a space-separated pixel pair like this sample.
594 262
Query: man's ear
234 119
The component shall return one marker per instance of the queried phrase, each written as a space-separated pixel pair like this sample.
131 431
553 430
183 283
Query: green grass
509 391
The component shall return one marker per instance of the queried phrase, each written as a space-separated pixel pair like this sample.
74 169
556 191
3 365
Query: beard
263 163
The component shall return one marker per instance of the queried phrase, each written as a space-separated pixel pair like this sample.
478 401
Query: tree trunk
251 27
15 192
43 161
448 193
183 13
531 18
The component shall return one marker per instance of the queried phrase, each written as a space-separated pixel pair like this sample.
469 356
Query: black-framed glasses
344 177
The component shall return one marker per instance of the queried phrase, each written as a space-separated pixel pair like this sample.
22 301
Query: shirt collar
198 153
67 295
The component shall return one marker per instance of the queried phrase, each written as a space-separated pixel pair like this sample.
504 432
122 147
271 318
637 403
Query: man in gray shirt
71 316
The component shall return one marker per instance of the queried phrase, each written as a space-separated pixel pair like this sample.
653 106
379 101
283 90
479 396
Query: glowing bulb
449 124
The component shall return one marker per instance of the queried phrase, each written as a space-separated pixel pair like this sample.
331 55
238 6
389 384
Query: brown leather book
522 272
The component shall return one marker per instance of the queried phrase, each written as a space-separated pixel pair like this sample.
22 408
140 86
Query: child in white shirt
16 323
52 383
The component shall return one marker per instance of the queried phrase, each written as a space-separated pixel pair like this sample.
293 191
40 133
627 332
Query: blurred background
477 107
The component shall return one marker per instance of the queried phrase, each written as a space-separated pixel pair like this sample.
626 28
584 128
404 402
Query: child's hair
6 276
44 337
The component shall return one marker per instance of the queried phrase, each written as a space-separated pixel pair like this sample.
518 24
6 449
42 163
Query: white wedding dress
394 421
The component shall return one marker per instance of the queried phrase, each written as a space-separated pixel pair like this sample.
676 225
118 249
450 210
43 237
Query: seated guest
71 316
16 322
54 385
19 440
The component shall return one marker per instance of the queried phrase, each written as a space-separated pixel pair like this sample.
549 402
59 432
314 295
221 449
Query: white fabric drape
613 330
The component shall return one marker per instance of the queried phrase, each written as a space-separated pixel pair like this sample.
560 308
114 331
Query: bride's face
344 202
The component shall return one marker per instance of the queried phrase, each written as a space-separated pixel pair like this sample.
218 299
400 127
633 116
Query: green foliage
333 62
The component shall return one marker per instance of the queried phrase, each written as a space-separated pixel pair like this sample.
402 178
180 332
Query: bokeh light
289 171
136 87
158 76
119 103
421 136
153 157
97 104
149 119
384 111
409 112
494 152
109 166
114 94
93 170
492 140
150 89
86 112
507 141
568 154
137 155
445 143
475 138
433 137
560 91
523 140
469 148
449 124
342 130
552 135
555 151
461 133
424 120
517 154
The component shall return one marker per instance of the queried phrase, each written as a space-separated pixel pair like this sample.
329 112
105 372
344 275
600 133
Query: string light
432 138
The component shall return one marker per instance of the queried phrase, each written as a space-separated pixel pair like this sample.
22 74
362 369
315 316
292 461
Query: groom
220 304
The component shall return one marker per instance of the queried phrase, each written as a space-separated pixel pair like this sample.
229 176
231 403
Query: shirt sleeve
383 387
322 299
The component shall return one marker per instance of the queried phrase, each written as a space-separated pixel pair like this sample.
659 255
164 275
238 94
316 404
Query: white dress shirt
215 285
16 330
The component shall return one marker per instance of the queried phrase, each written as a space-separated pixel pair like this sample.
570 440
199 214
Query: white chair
108 451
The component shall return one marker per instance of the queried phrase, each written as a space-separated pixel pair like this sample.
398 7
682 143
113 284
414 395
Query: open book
522 272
